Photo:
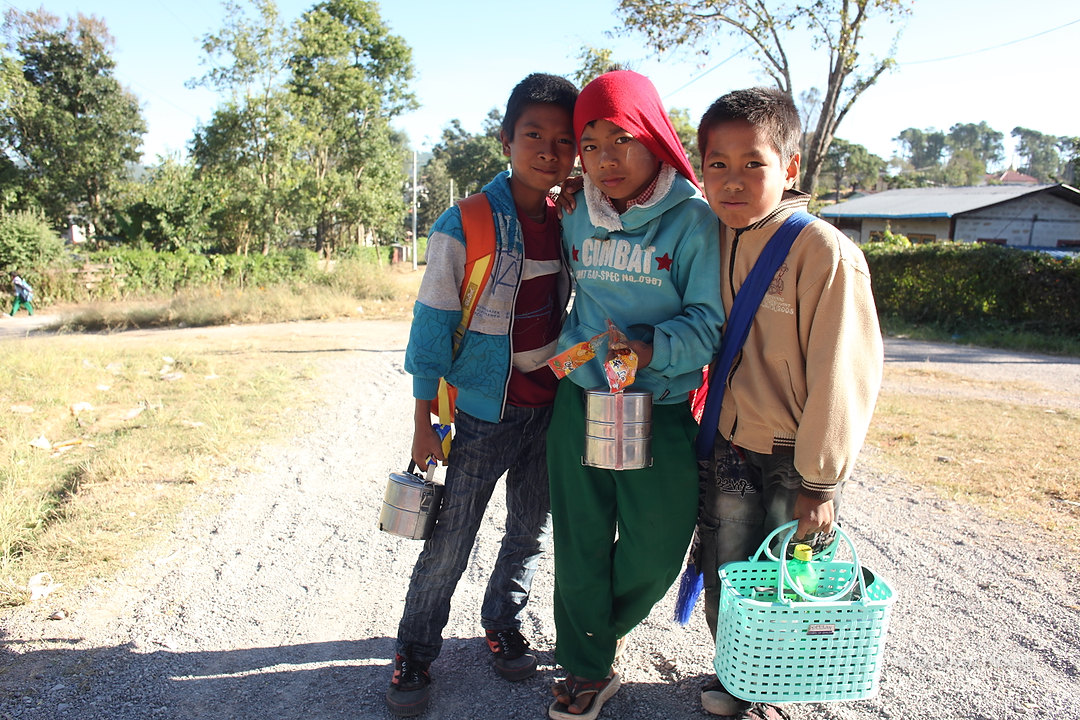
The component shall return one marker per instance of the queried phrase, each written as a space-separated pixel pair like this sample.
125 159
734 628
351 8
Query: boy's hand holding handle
426 443
813 515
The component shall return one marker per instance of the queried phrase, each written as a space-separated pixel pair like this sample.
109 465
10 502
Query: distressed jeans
480 454
746 497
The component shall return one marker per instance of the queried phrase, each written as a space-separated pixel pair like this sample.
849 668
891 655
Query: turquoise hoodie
657 279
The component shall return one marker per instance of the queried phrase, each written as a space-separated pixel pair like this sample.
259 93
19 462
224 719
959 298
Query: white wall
939 228
1038 221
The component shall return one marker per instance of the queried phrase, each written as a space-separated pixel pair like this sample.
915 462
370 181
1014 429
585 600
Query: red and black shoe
410 687
512 657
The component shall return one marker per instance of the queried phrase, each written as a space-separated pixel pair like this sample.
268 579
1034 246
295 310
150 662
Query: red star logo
574 253
663 262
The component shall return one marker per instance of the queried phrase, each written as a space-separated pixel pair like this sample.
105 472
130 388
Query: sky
961 61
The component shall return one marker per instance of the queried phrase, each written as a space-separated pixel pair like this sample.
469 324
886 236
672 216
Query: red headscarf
630 100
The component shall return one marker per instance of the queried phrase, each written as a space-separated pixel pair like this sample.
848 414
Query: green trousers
24 303
620 536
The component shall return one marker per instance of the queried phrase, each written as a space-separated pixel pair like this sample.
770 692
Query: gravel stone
277 597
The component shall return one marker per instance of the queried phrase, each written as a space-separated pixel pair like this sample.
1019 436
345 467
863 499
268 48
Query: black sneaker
512 659
409 688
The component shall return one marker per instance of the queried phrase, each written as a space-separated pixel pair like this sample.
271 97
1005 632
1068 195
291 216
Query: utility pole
414 210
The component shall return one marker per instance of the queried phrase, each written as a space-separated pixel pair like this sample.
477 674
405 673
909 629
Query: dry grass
105 438
357 295
1016 460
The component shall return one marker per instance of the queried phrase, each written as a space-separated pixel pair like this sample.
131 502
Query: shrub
27 243
958 286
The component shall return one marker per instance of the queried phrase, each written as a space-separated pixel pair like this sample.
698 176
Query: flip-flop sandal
602 691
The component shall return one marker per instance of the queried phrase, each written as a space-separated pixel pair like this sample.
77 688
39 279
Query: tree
809 109
1070 153
349 78
687 132
472 160
922 149
850 163
169 209
964 167
982 141
1040 153
434 193
594 63
69 127
835 25
246 152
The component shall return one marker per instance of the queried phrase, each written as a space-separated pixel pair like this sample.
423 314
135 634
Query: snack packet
620 368
620 364
574 357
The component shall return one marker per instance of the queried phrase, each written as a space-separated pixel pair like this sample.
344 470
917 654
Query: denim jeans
480 454
746 497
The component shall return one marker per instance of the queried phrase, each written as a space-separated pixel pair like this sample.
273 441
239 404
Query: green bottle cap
804 553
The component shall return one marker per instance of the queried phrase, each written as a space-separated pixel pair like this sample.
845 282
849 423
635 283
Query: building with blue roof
1030 216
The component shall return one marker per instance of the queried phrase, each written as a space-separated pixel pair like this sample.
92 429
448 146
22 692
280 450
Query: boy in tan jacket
799 397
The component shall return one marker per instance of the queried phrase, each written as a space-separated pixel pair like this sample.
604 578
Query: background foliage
958 286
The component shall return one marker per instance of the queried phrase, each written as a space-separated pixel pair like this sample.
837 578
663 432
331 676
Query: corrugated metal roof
928 202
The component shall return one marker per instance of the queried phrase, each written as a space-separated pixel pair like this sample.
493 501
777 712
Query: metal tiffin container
618 429
410 505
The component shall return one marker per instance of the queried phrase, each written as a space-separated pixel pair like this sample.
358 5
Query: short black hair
769 108
538 88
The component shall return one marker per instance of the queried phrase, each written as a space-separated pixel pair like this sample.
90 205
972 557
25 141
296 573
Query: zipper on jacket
513 316
738 358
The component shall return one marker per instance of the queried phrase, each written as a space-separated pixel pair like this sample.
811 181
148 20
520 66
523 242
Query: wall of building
1038 221
921 228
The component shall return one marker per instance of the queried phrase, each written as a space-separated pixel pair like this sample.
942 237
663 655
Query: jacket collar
791 201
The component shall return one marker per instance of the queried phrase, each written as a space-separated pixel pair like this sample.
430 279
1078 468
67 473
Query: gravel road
278 598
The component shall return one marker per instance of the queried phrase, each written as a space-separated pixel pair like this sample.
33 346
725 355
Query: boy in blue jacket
504 392
644 253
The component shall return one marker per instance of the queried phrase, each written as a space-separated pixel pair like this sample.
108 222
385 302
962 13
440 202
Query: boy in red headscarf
644 254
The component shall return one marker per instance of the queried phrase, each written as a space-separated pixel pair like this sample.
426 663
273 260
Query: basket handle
784 579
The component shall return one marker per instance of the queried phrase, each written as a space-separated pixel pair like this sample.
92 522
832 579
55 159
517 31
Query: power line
993 47
694 80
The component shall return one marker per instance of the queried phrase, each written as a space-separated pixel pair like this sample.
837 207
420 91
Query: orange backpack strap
478 226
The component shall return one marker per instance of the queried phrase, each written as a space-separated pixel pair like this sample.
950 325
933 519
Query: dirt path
278 598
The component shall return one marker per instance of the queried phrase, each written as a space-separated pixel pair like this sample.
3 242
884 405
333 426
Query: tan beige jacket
809 374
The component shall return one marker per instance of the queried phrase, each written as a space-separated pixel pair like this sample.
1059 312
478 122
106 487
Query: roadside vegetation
1020 461
977 294
351 290
105 438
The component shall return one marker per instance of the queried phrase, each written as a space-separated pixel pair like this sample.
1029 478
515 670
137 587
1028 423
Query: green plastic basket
817 649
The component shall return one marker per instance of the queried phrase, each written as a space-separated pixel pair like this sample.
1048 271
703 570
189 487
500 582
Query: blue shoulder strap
741 317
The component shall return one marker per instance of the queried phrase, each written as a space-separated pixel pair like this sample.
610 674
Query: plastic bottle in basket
802 572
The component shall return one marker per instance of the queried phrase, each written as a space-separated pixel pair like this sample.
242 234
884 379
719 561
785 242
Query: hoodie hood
630 100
